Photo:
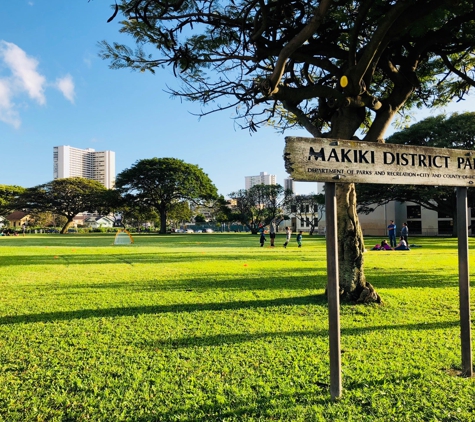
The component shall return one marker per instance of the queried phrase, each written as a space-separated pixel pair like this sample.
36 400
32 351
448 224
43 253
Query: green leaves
67 197
160 183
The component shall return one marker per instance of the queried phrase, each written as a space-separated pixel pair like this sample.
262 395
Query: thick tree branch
453 69
302 118
270 86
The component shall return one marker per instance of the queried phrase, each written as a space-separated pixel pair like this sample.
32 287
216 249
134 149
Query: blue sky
55 90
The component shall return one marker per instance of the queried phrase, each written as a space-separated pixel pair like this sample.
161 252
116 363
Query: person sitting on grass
402 245
385 246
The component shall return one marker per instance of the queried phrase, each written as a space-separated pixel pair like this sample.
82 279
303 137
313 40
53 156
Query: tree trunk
353 284
163 221
66 226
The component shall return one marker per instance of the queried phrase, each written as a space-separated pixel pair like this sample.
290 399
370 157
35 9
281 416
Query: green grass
215 328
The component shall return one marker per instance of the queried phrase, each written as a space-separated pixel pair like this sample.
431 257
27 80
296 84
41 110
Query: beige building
18 218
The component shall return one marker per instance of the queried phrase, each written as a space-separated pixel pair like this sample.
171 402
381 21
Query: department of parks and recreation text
344 161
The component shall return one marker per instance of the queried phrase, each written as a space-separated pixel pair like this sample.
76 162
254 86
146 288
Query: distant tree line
157 189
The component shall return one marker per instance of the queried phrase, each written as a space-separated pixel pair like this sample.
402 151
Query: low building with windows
18 218
99 222
420 221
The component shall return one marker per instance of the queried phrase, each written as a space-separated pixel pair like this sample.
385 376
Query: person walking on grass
272 232
262 239
405 232
288 235
299 239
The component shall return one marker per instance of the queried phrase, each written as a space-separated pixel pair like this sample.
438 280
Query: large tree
8 196
331 67
257 206
161 183
456 131
67 197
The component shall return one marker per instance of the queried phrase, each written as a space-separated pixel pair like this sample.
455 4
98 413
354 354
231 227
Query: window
443 215
445 226
413 211
415 227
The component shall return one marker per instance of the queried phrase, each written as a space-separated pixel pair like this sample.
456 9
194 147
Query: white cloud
7 113
24 78
24 72
66 86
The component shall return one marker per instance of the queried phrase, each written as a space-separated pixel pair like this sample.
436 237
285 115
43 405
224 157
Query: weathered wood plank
333 291
335 160
464 282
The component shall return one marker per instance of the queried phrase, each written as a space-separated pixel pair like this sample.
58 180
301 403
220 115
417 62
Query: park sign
340 161
343 161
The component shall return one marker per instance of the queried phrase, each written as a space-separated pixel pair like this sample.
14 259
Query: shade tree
257 206
8 196
161 184
65 197
338 69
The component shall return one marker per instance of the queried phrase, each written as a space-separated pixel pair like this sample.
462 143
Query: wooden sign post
334 160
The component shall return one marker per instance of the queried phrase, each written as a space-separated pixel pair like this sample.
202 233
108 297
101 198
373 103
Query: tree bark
353 284
66 226
163 221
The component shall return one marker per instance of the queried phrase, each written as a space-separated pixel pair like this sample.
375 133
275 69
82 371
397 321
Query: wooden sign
343 161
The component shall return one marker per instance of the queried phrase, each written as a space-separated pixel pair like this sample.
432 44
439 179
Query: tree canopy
67 197
8 195
161 183
305 62
456 131
258 206
331 67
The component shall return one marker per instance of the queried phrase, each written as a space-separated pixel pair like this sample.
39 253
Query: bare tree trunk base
363 295
368 295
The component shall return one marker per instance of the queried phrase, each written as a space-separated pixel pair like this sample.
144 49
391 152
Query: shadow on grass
219 340
133 258
314 300
295 279
160 309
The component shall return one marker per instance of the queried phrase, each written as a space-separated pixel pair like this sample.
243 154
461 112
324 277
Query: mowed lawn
212 327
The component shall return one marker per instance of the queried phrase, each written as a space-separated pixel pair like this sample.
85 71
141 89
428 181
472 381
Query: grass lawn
212 327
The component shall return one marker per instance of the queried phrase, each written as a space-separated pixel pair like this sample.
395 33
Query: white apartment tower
262 179
289 185
87 163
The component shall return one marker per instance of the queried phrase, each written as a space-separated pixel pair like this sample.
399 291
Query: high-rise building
87 163
262 179
289 185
